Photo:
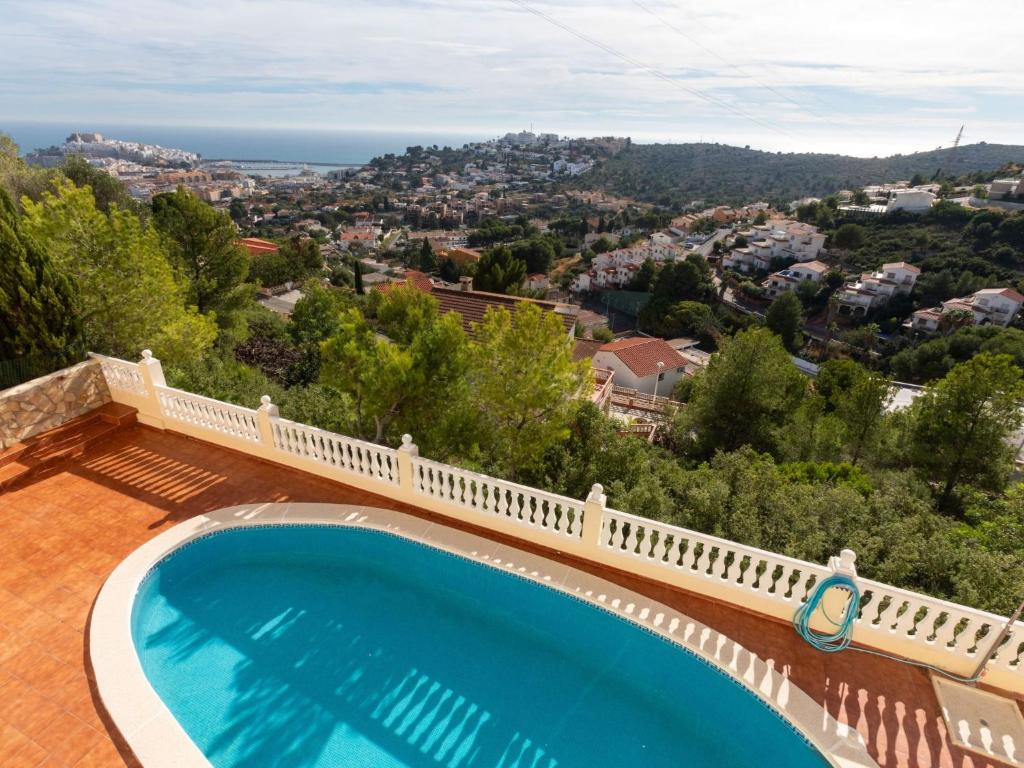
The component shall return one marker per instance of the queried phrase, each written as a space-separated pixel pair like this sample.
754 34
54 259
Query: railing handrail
221 404
328 435
820 570
508 485
936 602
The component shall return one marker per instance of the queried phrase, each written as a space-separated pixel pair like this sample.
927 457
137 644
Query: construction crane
952 152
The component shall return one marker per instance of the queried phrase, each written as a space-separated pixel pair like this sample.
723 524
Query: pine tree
37 302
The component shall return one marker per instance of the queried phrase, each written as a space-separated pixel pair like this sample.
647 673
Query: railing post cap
596 489
845 562
265 399
406 439
147 354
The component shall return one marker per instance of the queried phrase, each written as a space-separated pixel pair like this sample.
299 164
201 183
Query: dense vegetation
675 174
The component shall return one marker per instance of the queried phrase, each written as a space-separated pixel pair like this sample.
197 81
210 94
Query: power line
735 67
763 64
653 71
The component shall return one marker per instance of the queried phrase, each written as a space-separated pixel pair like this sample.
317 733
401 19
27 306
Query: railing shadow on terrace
918 627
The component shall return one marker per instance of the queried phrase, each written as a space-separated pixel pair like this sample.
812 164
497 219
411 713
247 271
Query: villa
989 306
775 240
875 289
188 581
790 279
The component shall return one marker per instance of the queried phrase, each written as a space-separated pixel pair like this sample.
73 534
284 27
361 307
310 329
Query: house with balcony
875 289
989 306
775 240
647 365
790 278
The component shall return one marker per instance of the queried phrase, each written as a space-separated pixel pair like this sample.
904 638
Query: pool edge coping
158 740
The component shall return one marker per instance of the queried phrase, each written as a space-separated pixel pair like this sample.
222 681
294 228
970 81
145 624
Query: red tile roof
473 304
585 349
413 277
642 355
257 246
1007 292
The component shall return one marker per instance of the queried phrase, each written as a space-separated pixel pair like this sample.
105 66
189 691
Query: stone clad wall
49 401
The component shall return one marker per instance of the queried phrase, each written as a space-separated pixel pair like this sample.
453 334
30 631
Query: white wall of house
624 377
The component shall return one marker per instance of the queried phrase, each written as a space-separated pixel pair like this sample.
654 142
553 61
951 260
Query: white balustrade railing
346 453
896 621
217 416
707 558
120 374
492 498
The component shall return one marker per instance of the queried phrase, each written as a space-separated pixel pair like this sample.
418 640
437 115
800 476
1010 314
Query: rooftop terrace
67 525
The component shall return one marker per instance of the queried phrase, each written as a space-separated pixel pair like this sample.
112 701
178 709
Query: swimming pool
302 645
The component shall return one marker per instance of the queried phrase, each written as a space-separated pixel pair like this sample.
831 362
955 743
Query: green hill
675 174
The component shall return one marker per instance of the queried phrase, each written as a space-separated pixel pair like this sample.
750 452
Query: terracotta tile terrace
65 528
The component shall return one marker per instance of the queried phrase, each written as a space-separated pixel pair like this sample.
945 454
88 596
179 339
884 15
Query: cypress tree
357 277
38 314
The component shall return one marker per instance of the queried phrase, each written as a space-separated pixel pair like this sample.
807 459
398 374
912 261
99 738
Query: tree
523 384
686 280
537 253
303 257
130 295
960 426
396 388
862 411
17 178
357 277
848 236
38 303
427 259
499 271
316 314
747 391
644 276
203 244
106 190
785 317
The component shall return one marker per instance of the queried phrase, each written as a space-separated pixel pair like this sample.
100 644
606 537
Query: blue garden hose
838 640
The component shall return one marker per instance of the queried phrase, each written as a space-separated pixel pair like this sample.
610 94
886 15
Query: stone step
23 460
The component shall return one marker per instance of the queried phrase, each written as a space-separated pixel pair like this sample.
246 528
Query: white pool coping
159 741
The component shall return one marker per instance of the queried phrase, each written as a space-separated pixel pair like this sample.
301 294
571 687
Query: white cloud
872 78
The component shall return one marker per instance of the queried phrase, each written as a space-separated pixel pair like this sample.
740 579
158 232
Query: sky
871 78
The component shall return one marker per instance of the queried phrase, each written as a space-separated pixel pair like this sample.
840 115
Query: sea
321 149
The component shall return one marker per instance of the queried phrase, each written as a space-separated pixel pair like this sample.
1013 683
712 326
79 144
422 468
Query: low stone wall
49 401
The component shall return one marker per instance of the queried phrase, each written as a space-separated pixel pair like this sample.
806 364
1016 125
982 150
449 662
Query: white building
873 289
989 306
615 269
788 279
781 239
646 365
910 200
1005 188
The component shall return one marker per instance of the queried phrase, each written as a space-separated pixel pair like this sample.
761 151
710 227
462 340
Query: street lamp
661 366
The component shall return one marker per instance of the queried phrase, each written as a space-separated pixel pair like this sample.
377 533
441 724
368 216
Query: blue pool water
326 646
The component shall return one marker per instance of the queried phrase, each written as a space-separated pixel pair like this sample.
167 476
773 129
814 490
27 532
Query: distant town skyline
880 79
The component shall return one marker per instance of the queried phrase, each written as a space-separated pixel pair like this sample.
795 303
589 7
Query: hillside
675 174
